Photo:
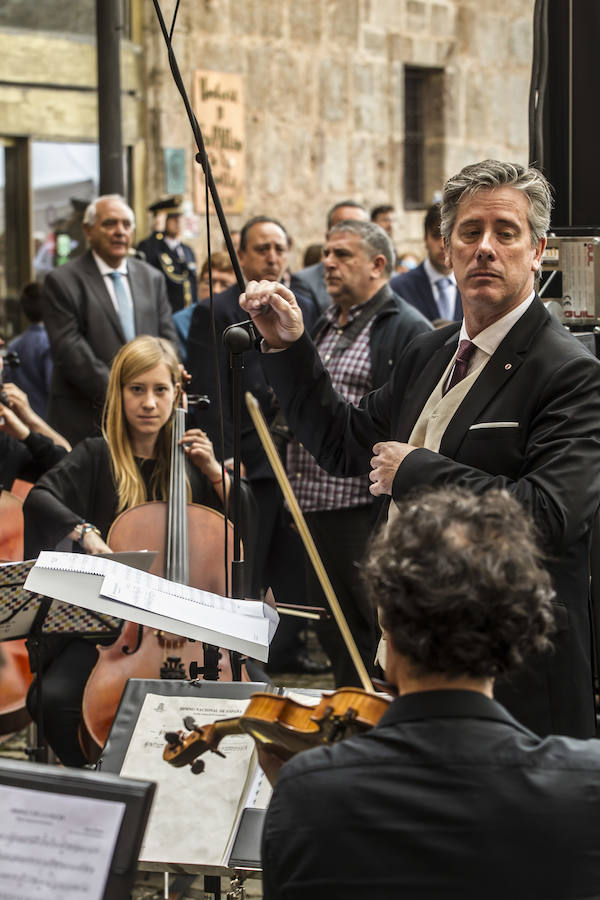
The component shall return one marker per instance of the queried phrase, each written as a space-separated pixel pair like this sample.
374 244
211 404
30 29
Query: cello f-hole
140 633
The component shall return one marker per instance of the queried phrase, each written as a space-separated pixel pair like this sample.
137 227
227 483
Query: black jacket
447 798
529 424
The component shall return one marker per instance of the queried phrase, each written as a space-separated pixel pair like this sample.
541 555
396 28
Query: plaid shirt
350 373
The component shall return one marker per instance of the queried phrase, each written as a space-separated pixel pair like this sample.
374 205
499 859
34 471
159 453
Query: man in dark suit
448 796
509 399
165 250
279 557
92 306
431 286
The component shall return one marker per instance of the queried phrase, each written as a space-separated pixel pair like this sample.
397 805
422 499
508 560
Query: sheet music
193 816
55 846
244 625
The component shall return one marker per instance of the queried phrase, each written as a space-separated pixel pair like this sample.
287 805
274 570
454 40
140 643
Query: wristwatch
82 529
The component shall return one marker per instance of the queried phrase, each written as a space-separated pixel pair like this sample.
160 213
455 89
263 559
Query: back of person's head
361 212
134 359
312 255
31 301
381 211
490 174
219 261
459 583
433 220
374 240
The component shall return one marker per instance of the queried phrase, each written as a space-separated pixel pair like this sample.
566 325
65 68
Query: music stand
36 618
88 831
244 856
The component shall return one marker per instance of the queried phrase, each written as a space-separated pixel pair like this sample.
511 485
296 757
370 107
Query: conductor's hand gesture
274 311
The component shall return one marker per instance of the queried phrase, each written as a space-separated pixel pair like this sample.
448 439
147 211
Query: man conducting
447 796
508 400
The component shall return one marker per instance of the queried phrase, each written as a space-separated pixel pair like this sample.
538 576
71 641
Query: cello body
15 674
158 654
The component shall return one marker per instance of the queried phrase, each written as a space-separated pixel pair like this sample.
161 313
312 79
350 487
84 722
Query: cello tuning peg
190 723
197 766
173 739
201 401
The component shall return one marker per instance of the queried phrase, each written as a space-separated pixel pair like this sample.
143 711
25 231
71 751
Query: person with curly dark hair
448 796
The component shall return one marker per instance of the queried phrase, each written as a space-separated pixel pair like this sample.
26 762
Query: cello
15 674
141 651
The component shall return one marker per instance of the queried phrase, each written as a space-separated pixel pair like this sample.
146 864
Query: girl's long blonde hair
132 360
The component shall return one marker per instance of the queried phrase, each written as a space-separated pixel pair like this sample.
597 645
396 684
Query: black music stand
32 821
36 619
244 857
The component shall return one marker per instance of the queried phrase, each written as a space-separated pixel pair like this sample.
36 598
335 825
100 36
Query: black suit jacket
414 287
529 424
201 366
85 334
446 798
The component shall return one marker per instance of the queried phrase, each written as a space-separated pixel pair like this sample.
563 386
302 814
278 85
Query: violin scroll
183 749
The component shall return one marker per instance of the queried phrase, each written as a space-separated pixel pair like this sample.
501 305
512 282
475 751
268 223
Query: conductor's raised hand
273 309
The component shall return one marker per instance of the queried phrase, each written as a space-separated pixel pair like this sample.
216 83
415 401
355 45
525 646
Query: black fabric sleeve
79 489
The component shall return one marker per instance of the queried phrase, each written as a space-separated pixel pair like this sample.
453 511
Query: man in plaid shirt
359 338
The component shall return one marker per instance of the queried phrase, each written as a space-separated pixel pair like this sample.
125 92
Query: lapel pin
508 366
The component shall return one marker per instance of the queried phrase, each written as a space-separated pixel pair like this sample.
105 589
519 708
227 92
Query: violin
282 724
141 651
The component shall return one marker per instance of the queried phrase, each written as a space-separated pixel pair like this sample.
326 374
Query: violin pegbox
183 748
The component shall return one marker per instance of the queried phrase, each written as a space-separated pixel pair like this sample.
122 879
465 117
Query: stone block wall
324 99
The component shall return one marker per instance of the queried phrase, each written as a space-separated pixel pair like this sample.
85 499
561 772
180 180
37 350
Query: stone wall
324 95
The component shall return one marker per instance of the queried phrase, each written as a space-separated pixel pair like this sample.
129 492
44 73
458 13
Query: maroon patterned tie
466 349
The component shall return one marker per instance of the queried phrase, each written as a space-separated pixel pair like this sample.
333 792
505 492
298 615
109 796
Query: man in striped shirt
359 338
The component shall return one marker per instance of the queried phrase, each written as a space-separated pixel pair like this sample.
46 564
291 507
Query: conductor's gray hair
91 212
489 174
375 240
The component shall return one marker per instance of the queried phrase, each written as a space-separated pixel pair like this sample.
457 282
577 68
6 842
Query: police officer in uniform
165 251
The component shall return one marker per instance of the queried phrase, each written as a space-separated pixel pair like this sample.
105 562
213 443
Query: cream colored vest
428 433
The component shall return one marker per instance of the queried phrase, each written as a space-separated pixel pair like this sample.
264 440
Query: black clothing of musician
27 459
81 488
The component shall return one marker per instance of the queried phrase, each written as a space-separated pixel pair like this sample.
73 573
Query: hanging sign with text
219 108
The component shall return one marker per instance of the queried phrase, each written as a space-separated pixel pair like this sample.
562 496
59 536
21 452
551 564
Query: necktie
466 349
124 305
446 298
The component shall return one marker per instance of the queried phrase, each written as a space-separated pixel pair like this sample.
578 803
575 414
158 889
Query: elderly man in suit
92 306
431 286
507 399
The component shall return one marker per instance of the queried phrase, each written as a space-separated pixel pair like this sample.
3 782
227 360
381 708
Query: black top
447 798
26 459
81 489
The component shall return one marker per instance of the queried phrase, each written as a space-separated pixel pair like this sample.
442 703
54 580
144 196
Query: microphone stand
245 337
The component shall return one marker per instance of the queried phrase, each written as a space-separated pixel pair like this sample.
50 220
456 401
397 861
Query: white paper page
246 626
201 810
55 846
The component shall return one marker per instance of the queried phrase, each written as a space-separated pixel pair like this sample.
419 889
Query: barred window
423 135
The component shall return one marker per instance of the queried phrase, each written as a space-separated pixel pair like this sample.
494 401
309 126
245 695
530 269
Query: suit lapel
95 285
501 367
